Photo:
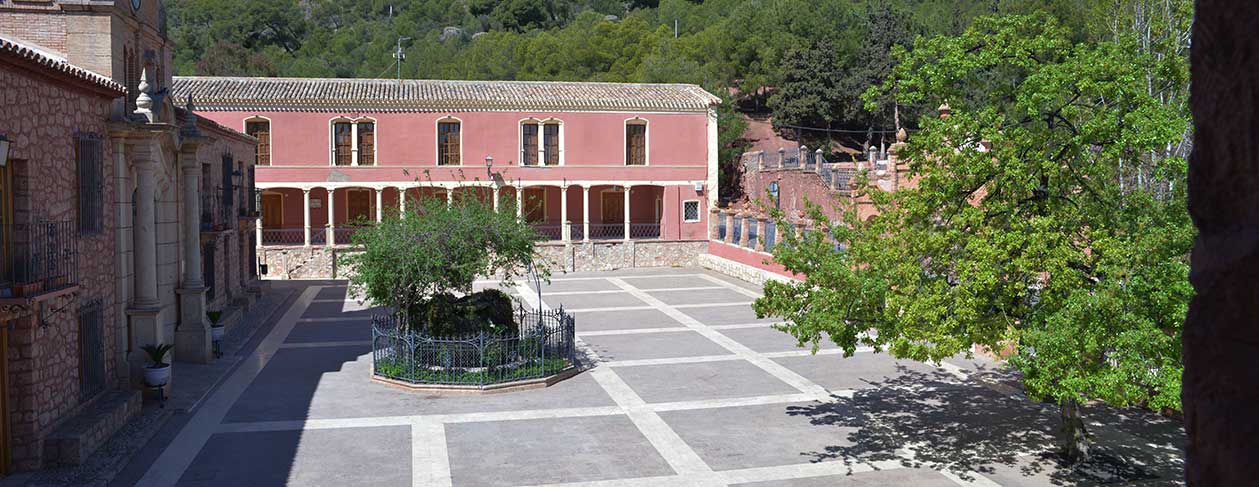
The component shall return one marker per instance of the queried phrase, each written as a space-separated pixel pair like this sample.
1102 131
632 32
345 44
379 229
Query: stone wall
297 262
42 118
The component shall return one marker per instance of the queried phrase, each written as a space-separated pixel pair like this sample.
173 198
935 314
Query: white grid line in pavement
353 343
430 460
621 291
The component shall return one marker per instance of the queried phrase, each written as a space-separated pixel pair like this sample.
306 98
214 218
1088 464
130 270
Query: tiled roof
222 93
33 55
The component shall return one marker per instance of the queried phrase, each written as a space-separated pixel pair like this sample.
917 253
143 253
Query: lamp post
489 167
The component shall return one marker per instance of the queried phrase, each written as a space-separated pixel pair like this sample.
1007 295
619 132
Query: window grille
91 156
690 211
92 378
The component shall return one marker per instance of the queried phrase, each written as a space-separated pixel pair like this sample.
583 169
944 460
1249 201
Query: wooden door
272 210
613 207
358 205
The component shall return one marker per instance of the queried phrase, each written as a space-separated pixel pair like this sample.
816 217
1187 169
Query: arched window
260 128
353 141
635 142
541 142
449 142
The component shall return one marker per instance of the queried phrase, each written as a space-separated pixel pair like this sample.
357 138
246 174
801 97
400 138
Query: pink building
585 162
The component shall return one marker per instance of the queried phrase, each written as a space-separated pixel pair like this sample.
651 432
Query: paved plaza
684 386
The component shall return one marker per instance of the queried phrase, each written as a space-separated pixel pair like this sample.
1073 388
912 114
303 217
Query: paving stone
336 457
623 320
915 477
683 343
338 309
760 436
766 339
588 301
703 296
726 315
705 380
861 371
357 330
648 283
332 292
543 451
579 285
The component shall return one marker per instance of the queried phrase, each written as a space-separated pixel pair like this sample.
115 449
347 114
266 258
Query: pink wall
593 145
758 260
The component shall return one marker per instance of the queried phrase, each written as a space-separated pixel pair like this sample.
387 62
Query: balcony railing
39 258
644 230
283 236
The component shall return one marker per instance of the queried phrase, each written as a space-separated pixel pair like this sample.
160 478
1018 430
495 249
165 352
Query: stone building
105 244
612 174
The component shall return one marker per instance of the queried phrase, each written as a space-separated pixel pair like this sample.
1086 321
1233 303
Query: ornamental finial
144 103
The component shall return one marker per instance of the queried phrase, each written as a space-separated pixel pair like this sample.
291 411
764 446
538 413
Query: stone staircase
75 440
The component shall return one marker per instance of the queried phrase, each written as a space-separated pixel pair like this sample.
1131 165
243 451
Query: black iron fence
539 344
39 258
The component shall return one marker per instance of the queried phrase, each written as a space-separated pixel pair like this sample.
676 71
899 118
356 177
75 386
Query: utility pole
400 56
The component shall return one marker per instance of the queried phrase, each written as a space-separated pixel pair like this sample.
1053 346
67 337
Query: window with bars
635 144
92 378
529 144
90 159
252 195
343 143
366 143
448 143
228 191
690 211
551 144
261 130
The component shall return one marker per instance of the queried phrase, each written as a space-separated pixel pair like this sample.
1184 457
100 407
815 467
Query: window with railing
90 159
690 211
448 143
229 192
39 257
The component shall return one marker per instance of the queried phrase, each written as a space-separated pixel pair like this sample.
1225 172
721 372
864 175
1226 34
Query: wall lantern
4 150
489 166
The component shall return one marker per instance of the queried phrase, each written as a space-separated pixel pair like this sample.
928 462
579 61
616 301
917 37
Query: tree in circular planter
423 263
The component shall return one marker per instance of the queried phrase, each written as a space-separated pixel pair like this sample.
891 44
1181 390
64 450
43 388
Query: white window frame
332 140
437 140
541 123
698 212
646 141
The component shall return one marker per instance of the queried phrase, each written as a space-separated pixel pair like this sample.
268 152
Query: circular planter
157 376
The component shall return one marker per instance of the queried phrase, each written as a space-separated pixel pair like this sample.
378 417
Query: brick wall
42 117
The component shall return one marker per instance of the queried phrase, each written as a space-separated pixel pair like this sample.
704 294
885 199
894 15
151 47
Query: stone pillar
585 213
192 339
1221 336
353 143
258 231
306 214
122 220
628 189
714 230
450 196
380 203
565 236
520 207
746 229
760 233
494 195
145 305
730 216
402 199
332 224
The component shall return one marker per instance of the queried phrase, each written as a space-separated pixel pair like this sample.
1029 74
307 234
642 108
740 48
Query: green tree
1030 223
810 94
411 257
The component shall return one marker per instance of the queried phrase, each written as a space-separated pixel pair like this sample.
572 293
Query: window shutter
551 138
529 153
448 143
636 144
343 149
262 132
366 143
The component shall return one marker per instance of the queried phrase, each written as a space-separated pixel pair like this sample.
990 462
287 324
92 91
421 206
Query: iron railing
39 257
607 231
644 230
283 236
540 343
344 235
548 231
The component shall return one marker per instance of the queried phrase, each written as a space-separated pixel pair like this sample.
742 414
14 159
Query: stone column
380 204
402 199
564 233
258 230
1221 337
746 229
585 213
306 214
145 305
450 196
520 198
332 224
628 189
729 216
494 195
122 288
714 224
760 233
192 339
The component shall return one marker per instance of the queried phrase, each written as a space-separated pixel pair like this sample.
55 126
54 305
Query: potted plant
157 374
216 329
